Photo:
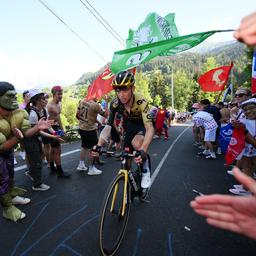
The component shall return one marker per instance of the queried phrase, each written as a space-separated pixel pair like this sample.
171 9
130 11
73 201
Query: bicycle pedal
141 199
145 200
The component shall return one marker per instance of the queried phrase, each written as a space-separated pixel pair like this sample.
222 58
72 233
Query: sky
37 50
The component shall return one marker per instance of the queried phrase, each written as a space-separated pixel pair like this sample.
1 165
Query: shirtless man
54 110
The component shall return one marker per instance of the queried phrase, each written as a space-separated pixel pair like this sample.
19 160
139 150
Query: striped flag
229 90
254 72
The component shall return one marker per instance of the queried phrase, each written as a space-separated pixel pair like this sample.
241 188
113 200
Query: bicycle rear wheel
113 221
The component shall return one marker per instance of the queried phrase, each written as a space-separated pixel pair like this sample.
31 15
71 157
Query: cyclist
137 122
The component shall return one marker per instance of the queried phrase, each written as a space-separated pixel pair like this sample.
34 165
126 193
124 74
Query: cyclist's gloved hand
96 150
140 156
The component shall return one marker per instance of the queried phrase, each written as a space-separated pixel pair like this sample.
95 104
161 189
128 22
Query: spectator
248 161
237 214
33 144
87 115
46 141
54 110
26 99
237 117
11 116
205 120
196 130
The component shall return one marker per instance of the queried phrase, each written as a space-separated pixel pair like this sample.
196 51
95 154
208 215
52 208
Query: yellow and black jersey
139 112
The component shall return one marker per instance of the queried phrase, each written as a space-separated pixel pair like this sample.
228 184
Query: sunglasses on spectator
240 95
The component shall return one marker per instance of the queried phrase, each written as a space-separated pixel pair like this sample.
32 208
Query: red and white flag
236 145
215 79
102 85
254 72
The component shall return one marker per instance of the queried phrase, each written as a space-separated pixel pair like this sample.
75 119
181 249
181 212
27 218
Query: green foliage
19 98
142 85
183 91
160 89
69 108
153 79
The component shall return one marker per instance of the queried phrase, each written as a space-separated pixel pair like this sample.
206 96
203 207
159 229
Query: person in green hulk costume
14 125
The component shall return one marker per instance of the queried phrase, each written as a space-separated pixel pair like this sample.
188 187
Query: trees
159 87
142 85
69 107
153 79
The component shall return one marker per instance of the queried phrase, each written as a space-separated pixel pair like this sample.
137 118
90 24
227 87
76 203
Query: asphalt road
64 219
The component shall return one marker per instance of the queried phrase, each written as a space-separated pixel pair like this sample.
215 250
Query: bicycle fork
125 174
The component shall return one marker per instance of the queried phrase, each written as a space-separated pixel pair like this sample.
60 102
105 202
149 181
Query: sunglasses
124 89
240 95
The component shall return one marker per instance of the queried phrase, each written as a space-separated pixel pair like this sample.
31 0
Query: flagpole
172 92
217 98
232 80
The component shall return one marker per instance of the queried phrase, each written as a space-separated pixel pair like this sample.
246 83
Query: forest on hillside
154 78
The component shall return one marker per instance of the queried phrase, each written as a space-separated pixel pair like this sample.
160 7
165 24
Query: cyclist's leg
127 145
146 179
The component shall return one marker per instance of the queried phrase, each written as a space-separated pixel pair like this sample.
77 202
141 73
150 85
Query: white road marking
22 167
153 177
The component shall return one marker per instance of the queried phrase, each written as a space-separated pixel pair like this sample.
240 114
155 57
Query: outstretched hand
246 32
233 213
44 124
60 139
17 133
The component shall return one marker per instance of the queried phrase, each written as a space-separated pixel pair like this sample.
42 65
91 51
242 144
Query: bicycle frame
124 187
125 173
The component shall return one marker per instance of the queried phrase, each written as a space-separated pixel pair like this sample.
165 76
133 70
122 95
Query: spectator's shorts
45 140
88 138
210 135
55 143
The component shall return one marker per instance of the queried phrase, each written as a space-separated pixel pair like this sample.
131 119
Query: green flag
155 28
135 56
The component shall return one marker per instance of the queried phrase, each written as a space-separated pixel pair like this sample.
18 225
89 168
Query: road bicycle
115 209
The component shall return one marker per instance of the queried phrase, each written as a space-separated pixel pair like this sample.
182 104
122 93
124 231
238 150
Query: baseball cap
34 92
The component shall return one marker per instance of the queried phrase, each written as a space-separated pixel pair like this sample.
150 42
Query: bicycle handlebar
123 153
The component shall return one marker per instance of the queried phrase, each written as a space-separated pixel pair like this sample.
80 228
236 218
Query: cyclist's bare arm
105 133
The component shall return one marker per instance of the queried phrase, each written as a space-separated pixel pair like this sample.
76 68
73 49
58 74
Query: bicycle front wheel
114 216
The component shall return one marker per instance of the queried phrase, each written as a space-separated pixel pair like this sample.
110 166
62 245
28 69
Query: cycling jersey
87 114
139 112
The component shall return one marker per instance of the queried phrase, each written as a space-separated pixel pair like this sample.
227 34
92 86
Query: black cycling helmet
123 79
